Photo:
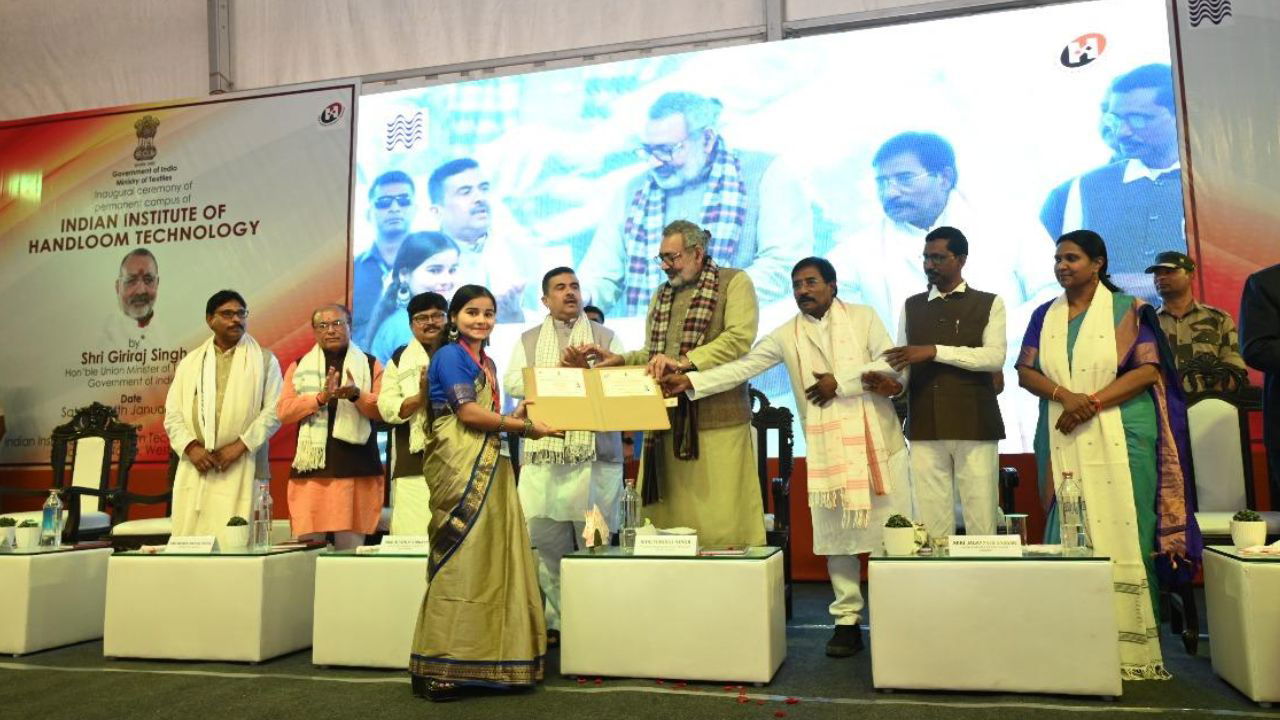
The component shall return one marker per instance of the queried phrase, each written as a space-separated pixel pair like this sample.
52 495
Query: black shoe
845 642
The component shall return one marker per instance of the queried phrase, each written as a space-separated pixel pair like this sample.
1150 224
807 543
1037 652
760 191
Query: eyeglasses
404 200
662 151
1135 121
668 258
324 326
229 314
148 280
937 258
427 318
899 180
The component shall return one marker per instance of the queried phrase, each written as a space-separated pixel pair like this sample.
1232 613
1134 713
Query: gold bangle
1054 396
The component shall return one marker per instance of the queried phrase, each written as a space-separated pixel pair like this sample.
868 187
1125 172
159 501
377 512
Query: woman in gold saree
481 626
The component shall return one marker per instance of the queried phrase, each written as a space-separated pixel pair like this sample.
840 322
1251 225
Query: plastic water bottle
51 521
260 522
1072 514
630 515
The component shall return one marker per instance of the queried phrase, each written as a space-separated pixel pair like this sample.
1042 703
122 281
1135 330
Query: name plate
190 545
405 545
984 546
667 545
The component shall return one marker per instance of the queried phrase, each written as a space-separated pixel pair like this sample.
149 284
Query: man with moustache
755 209
951 347
137 289
403 403
336 483
459 193
219 414
857 458
391 210
918 183
702 472
1260 346
563 478
1193 328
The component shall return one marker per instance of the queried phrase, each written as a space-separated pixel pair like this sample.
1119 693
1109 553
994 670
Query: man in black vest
952 347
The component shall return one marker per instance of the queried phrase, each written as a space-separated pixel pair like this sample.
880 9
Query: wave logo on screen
331 113
145 128
1215 11
1083 50
404 131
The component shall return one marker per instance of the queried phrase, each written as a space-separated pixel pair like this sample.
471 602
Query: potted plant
235 536
6 531
901 536
1248 529
28 534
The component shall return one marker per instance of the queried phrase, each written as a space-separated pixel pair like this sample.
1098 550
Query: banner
117 225
1013 126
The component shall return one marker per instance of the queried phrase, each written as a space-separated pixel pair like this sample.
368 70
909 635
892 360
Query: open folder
603 399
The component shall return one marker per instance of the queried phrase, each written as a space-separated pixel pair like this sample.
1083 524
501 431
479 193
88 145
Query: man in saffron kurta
857 455
219 414
336 484
702 472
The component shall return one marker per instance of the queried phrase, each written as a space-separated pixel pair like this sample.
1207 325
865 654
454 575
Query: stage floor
76 682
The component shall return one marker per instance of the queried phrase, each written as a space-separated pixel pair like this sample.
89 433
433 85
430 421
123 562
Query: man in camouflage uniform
1193 328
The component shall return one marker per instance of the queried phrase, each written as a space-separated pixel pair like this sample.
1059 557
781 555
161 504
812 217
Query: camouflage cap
1173 260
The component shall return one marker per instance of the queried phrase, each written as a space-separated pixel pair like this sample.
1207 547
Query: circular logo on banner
331 113
1083 50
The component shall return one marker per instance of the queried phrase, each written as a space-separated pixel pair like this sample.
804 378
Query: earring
402 294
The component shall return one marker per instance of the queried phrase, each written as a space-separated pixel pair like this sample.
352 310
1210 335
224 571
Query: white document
560 382
984 546
190 545
627 382
667 545
405 545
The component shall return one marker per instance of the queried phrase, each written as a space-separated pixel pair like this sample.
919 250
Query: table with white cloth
1242 592
1036 623
51 596
366 606
718 618
243 606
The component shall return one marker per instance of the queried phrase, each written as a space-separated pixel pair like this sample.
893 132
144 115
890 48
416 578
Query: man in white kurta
219 414
827 349
403 404
562 479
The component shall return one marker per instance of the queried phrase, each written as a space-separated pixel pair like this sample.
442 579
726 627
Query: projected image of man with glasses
755 208
391 211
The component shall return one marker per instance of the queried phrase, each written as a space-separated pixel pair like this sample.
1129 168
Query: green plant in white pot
901 536
235 536
28 534
7 525
1248 529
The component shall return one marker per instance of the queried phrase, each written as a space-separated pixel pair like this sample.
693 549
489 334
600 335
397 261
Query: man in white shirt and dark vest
561 479
952 347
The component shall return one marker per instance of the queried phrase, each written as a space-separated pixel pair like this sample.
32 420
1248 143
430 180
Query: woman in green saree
1112 412
481 626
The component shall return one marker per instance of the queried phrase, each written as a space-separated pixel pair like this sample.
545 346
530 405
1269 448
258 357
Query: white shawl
577 446
349 426
408 380
1096 452
847 455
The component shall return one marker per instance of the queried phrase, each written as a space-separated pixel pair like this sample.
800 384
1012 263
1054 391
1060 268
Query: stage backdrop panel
117 225
567 161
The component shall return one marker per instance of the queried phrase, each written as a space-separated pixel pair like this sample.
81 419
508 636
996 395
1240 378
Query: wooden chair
775 491
89 445
129 534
